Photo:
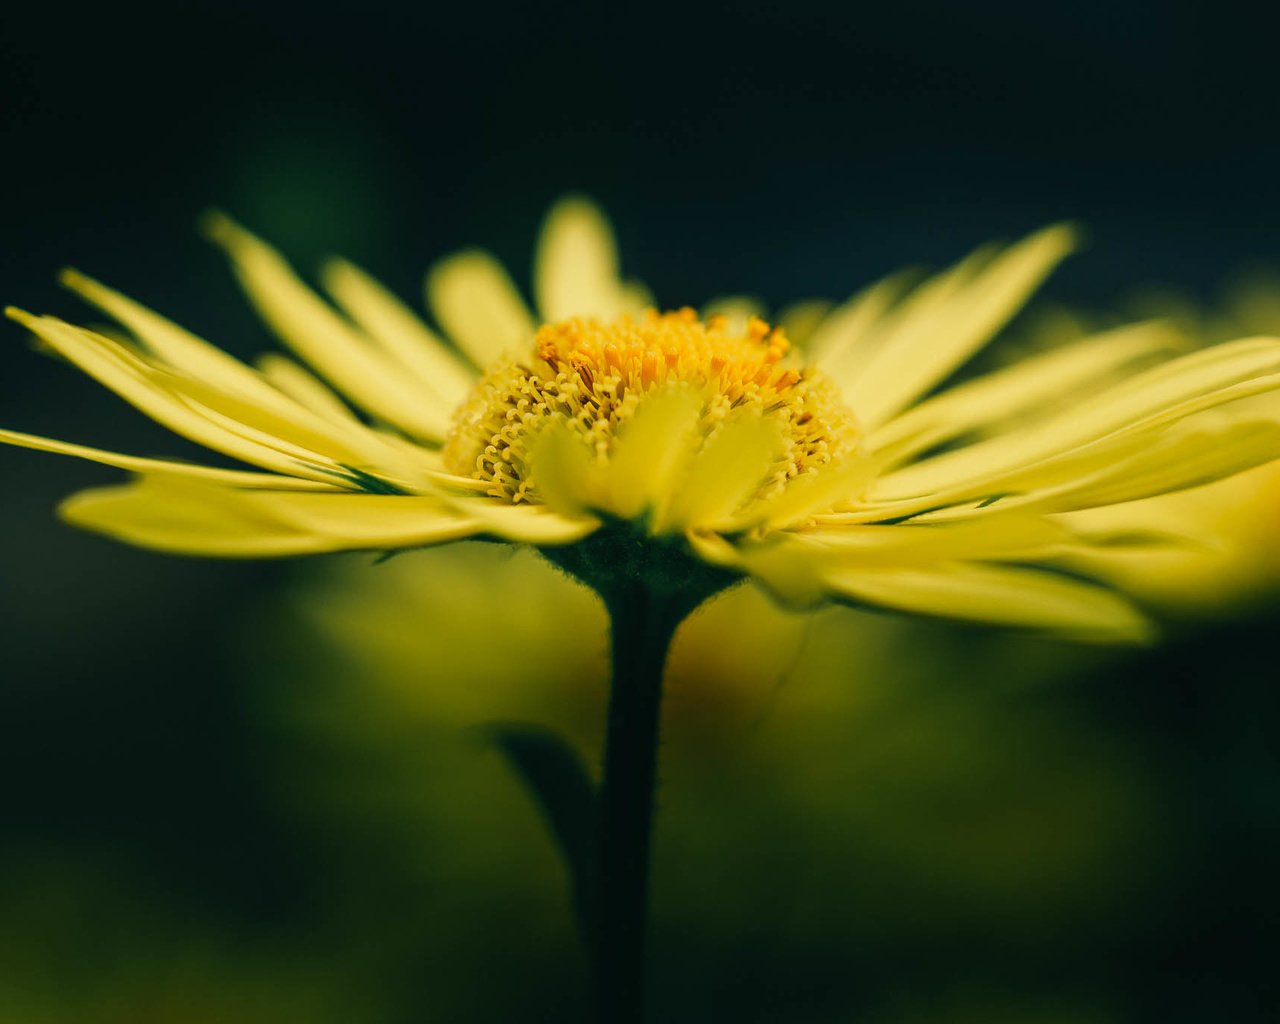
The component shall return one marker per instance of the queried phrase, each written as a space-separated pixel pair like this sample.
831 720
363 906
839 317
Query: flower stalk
643 625
649 587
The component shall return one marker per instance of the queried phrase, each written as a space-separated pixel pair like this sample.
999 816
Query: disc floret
593 375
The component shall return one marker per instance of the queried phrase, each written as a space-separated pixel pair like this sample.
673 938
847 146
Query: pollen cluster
594 375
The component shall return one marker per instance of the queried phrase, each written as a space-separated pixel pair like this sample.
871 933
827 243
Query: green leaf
566 796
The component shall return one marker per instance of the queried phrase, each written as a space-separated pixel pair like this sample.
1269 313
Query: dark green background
780 150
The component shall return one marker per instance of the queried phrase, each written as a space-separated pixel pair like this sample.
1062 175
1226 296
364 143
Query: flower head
834 472
610 412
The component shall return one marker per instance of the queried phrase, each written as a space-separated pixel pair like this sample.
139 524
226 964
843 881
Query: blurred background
262 792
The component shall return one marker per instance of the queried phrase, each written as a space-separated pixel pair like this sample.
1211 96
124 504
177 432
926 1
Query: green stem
643 625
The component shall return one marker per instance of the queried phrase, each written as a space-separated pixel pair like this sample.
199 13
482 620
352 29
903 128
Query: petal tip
21 316
71 278
70 509
93 292
221 229
1065 236
462 259
575 204
335 270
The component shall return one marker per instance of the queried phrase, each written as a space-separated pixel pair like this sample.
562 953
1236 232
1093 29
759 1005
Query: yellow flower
616 436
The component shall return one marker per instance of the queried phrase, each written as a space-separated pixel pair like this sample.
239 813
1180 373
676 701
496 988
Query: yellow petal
795 565
1140 405
563 469
221 382
727 471
115 367
1180 387
1023 387
819 491
524 524
1000 595
652 451
308 437
324 339
1003 535
203 519
136 464
933 338
1215 550
576 267
305 388
175 345
782 563
401 333
283 426
847 334
1182 458
474 300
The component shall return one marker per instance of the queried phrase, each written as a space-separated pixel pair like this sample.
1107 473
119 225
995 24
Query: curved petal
158 467
186 517
399 331
726 472
1184 457
999 595
946 321
1005 536
214 373
324 339
186 365
795 565
847 335
473 299
524 524
652 450
563 469
576 266
295 380
818 491
1143 404
1022 388
121 371
349 444
177 346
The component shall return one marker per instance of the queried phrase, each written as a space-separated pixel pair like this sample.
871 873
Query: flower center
593 375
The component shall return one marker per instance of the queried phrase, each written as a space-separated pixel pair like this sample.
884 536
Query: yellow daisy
659 457
616 436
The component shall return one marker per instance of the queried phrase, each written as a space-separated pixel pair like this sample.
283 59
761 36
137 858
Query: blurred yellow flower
413 625
835 475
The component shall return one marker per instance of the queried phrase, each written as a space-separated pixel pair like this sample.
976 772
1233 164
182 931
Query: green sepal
620 557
